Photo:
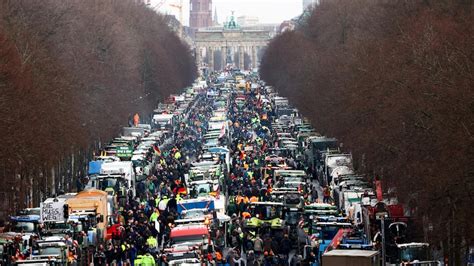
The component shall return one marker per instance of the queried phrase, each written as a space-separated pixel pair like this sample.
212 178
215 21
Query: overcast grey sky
268 11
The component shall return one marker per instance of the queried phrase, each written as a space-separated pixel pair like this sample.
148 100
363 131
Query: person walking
258 246
285 246
314 194
326 195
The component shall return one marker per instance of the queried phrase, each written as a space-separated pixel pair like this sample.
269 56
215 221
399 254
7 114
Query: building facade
200 14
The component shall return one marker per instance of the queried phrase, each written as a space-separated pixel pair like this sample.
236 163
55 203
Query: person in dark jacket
285 246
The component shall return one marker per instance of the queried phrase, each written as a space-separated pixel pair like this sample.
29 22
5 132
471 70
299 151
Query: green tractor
265 216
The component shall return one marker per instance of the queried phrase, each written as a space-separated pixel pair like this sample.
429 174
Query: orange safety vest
253 199
136 119
218 256
238 199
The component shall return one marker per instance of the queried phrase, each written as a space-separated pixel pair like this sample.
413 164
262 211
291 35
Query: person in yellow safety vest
255 161
146 260
250 173
177 155
154 216
163 203
151 242
124 247
162 162
138 261
157 201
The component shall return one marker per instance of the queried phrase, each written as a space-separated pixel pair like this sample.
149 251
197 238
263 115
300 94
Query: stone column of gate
198 56
223 57
247 51
241 57
211 58
254 56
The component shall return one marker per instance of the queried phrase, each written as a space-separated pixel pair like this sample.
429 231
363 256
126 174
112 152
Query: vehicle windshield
50 251
328 232
267 212
203 188
108 183
191 238
414 253
293 184
198 177
191 214
24 227
292 217
58 226
33 211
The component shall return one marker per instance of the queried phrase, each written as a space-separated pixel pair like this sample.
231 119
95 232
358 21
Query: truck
89 210
416 253
351 257
199 203
336 165
190 236
163 122
208 189
27 225
54 214
265 214
116 178
316 146
51 248
326 228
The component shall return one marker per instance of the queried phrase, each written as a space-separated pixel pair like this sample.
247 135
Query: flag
259 101
157 150
222 133
182 191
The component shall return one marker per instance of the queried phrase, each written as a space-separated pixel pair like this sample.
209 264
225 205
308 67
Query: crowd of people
142 225
147 219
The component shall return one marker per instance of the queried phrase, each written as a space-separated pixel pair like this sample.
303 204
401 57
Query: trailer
351 257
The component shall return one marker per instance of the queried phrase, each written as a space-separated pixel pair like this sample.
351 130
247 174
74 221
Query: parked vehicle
89 209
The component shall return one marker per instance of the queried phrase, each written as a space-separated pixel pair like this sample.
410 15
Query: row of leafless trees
394 81
71 73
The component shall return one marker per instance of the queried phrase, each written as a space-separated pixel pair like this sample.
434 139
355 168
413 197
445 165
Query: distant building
245 21
200 14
